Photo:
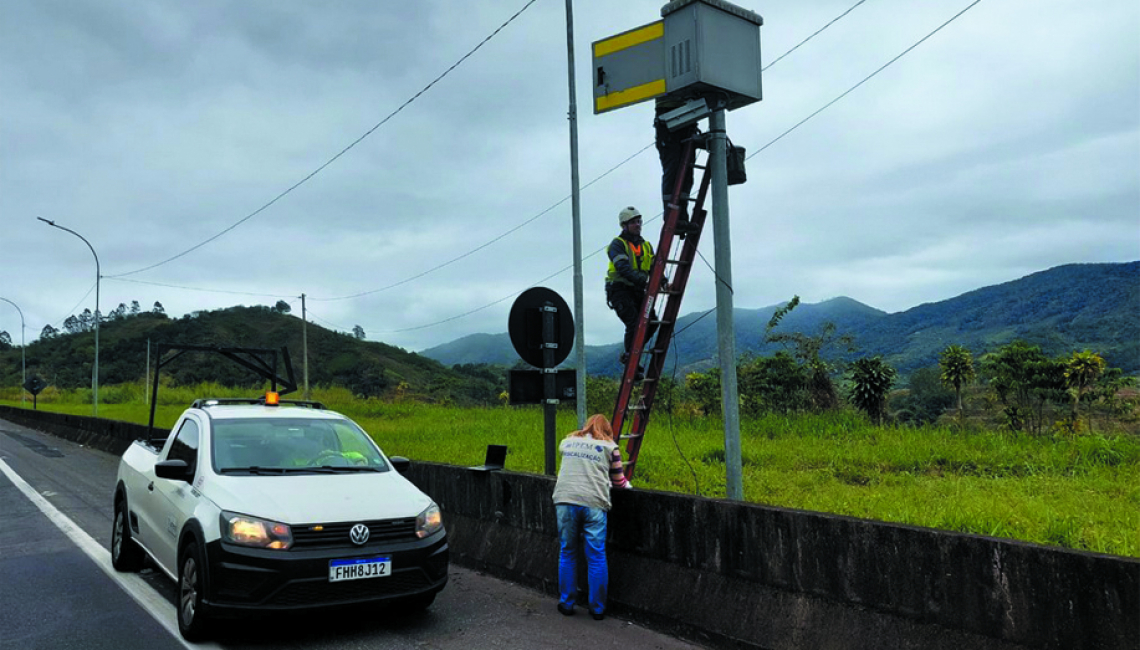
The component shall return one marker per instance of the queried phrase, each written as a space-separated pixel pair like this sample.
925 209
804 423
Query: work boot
639 375
685 227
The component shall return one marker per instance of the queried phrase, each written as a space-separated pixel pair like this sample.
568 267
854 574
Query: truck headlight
251 531
429 522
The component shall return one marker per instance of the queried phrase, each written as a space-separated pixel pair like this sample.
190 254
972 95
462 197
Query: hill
1066 308
367 368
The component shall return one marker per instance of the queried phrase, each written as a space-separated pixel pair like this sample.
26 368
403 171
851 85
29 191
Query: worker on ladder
631 258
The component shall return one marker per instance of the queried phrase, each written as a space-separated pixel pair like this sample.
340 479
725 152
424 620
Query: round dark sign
525 327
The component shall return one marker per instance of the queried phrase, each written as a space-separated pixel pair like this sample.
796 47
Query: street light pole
23 352
98 275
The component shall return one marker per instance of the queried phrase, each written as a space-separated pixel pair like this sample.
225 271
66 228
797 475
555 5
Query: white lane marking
145 595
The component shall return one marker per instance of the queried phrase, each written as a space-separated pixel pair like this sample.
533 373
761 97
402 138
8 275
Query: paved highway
57 589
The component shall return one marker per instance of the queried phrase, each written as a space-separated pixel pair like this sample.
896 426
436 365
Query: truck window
185 445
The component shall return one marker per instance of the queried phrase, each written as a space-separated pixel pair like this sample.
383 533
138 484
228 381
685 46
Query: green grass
1079 492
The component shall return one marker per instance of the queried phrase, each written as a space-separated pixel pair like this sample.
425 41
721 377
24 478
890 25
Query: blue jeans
574 523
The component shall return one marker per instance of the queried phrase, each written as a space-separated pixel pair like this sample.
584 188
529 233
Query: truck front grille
313 536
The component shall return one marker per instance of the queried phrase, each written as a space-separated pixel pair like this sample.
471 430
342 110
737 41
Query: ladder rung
670 292
678 262
659 322
631 436
637 407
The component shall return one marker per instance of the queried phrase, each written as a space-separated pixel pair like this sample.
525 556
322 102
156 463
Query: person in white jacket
591 466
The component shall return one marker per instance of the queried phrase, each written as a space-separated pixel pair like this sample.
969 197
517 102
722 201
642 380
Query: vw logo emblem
359 534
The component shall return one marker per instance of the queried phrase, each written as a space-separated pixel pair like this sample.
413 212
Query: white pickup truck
251 507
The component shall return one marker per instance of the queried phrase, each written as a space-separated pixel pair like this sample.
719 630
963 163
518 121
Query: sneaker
564 610
598 616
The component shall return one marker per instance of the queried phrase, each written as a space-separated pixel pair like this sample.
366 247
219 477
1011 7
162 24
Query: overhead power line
175 286
338 155
59 322
774 141
481 247
865 79
817 32
567 198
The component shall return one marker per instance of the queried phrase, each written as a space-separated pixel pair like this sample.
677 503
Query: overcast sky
1007 143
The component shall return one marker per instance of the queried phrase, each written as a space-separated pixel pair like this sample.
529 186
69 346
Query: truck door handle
151 486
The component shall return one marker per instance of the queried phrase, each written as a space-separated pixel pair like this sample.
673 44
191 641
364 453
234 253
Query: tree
957 365
1082 370
808 350
872 379
86 321
775 384
1026 382
926 397
282 307
134 308
72 325
5 340
705 389
358 332
118 312
158 308
49 332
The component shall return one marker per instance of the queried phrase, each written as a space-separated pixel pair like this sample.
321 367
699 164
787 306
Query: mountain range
1066 308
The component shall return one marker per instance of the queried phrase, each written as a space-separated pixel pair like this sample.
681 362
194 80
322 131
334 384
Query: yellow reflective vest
640 259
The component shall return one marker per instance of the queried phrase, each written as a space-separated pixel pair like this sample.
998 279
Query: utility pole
305 345
579 316
23 351
725 328
147 385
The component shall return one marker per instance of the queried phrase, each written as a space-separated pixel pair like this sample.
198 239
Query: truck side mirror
175 470
400 464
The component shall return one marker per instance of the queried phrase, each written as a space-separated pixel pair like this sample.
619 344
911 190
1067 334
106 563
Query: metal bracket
553 401
549 308
550 371
551 346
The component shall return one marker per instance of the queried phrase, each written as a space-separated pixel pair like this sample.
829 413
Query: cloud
1007 143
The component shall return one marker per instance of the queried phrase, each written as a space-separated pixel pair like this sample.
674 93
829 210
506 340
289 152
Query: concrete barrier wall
742 575
110 436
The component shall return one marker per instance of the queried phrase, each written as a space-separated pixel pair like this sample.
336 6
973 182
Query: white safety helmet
628 214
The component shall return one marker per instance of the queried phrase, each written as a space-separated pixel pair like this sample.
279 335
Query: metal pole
725 328
549 392
579 313
305 344
98 276
147 384
23 349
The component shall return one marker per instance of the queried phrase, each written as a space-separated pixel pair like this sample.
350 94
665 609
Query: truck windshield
295 444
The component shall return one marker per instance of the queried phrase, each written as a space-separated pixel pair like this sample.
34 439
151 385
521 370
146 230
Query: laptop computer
496 459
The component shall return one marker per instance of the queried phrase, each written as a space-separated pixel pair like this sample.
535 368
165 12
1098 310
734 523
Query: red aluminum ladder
672 290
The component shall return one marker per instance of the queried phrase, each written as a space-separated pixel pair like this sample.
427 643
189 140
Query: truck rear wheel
193 617
126 556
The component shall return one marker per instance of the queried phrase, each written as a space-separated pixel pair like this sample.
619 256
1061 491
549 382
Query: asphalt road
54 594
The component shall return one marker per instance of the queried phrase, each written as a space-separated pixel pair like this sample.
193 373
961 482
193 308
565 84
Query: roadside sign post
542 330
34 386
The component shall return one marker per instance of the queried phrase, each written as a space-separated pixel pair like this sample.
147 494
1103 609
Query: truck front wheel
126 556
193 619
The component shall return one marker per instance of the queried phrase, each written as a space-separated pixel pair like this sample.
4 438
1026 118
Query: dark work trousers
626 303
671 150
